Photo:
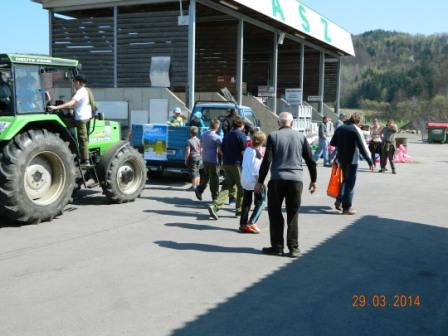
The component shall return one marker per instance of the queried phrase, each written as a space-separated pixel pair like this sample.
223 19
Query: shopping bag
336 178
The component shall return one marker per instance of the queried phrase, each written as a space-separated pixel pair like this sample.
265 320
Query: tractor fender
104 164
54 127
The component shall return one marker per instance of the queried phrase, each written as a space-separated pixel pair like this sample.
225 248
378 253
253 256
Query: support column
302 67
275 71
321 82
338 87
115 47
239 62
191 54
50 32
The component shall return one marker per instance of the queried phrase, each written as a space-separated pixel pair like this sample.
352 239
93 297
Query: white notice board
115 110
158 111
139 117
293 96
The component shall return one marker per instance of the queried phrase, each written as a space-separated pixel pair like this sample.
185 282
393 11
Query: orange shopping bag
336 178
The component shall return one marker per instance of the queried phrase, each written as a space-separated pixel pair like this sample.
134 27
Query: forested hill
398 75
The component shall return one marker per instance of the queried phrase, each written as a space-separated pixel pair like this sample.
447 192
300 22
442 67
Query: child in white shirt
251 166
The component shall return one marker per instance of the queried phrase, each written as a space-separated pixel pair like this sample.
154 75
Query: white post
321 82
50 32
115 47
338 87
191 54
239 62
274 71
302 66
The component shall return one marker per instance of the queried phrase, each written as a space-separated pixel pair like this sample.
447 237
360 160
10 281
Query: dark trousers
232 179
82 134
259 203
388 151
291 192
211 174
375 148
348 186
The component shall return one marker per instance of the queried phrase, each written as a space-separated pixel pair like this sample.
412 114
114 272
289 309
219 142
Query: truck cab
218 110
177 136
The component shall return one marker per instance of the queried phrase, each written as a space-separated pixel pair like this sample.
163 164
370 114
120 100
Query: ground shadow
176 201
168 188
200 227
205 248
313 295
180 214
311 209
6 222
91 200
87 197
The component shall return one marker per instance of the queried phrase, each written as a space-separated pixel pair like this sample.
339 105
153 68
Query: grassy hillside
398 75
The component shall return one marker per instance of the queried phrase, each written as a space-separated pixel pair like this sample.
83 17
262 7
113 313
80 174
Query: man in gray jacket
286 150
325 134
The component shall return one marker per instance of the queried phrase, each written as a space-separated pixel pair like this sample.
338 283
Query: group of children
205 152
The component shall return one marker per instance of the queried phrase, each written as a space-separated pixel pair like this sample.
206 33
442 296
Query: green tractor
39 155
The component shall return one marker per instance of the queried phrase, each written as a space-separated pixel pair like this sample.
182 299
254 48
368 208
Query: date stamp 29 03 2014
386 301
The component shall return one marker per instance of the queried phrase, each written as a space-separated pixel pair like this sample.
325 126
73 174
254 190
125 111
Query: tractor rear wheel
36 176
126 176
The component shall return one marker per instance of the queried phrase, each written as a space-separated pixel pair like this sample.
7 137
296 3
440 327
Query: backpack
92 101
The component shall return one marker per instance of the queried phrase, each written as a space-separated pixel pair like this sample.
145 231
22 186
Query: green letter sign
305 23
277 9
326 36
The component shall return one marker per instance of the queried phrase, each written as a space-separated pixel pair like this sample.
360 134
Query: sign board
314 98
155 141
294 96
266 91
159 73
295 14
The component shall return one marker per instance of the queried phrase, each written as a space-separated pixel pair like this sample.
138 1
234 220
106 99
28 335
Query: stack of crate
303 121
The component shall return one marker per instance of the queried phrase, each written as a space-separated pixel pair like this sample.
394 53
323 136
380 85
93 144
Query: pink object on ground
401 156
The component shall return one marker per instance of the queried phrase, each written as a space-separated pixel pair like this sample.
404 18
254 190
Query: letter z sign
302 18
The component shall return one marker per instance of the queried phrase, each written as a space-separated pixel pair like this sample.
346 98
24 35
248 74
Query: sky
27 22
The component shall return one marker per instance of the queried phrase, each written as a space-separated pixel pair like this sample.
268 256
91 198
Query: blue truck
178 136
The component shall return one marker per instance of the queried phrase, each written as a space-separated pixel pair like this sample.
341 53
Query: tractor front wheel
37 176
125 176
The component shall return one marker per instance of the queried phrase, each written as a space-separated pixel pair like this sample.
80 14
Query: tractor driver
5 93
82 115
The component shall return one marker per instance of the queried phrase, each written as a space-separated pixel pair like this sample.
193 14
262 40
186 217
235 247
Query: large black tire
36 176
125 177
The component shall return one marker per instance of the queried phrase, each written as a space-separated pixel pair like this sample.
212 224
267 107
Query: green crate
437 134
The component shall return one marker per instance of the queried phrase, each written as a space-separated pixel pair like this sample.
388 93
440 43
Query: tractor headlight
4 125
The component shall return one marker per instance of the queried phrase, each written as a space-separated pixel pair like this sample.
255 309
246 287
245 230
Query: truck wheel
126 176
37 176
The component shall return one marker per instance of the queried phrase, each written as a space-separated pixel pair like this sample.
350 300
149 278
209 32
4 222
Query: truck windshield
209 113
249 116
6 96
29 92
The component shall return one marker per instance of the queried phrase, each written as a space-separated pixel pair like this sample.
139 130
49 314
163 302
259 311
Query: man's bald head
285 119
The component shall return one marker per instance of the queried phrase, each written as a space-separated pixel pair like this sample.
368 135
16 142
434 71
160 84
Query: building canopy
291 15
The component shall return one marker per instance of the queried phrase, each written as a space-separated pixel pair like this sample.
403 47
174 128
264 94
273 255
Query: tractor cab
29 83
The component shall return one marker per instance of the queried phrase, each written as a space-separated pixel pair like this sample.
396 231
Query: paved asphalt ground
160 266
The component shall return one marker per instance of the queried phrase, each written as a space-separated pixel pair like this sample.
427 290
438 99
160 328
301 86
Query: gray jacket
286 150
